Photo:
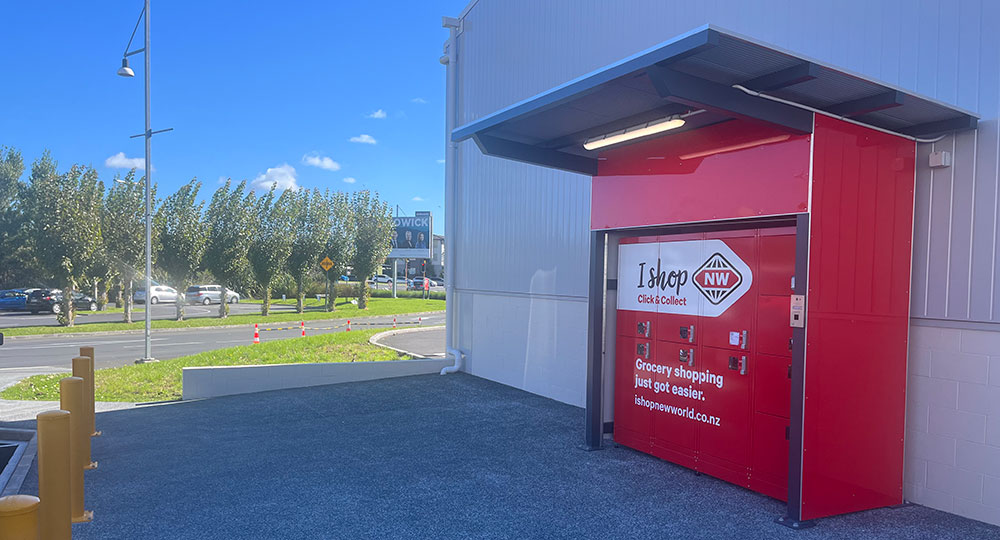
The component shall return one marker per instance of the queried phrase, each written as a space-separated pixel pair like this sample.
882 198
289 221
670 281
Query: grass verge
345 310
161 381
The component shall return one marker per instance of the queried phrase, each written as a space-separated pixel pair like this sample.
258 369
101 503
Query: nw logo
717 279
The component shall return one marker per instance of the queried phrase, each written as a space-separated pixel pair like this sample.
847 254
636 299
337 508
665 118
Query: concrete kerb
374 340
216 327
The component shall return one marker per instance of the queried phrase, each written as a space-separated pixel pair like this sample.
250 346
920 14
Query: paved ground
419 457
425 342
22 356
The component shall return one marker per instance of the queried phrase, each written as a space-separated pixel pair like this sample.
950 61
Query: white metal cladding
513 49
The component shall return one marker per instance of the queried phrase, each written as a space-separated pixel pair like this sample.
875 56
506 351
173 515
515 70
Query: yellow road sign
326 263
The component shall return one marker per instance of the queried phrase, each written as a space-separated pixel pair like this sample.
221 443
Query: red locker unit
705 382
762 306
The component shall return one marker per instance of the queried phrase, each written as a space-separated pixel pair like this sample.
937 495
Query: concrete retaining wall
205 382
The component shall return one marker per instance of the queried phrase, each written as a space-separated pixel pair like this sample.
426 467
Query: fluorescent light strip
732 148
635 132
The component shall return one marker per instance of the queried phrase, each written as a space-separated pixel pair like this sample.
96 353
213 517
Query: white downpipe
451 188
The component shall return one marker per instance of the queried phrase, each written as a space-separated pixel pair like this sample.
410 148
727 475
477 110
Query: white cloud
364 138
379 114
419 100
281 177
418 199
350 180
440 162
119 161
322 162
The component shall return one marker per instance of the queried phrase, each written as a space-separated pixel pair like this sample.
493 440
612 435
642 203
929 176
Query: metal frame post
595 340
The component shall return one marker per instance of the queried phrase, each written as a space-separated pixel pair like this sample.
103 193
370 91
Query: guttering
450 59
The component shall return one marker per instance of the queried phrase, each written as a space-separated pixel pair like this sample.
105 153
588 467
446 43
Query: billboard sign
696 277
411 237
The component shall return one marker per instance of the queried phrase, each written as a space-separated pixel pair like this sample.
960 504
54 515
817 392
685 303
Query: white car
157 293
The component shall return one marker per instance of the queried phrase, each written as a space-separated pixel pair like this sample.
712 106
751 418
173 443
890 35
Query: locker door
769 468
632 422
733 329
730 404
674 434
777 261
774 334
672 326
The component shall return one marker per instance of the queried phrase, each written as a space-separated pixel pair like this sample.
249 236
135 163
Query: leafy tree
312 223
17 264
272 241
65 227
183 238
340 246
125 233
373 228
230 220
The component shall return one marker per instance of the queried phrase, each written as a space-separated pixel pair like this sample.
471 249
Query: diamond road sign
326 263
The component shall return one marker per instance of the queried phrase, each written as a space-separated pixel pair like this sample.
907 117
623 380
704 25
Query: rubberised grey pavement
419 457
426 342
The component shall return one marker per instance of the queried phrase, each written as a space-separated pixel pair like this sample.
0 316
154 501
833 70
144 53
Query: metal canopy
698 71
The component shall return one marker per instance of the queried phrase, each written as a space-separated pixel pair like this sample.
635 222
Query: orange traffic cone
348 325
303 325
256 334
393 322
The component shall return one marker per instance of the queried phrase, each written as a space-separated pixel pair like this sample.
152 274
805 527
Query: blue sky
306 92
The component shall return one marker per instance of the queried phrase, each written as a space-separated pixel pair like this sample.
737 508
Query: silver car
209 294
157 294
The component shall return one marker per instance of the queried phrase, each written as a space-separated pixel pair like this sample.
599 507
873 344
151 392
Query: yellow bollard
54 512
81 370
19 517
71 399
91 383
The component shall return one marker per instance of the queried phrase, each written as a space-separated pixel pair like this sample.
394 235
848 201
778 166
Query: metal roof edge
698 37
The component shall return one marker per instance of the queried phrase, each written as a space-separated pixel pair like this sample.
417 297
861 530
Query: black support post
595 341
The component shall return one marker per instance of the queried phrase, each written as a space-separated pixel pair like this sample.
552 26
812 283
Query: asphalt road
23 356
12 319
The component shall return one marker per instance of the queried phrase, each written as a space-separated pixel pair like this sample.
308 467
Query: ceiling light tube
734 147
635 132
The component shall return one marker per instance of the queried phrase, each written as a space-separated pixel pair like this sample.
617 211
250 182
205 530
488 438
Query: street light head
126 71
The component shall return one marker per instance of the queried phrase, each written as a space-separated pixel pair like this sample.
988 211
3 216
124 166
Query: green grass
161 381
345 310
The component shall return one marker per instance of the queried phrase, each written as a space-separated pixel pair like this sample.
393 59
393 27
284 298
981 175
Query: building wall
521 242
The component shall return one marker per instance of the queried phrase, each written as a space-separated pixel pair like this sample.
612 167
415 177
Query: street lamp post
126 71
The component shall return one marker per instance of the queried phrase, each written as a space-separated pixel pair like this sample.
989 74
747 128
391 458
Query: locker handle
686 356
743 339
687 332
642 349
642 329
743 366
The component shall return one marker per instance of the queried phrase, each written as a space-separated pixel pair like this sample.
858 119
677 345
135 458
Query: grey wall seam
951 222
972 220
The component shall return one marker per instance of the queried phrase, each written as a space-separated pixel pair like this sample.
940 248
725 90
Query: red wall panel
734 169
857 319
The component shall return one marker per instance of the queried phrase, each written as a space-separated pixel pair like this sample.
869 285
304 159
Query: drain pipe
449 59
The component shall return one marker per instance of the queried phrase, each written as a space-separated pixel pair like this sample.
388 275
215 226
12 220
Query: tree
272 241
183 238
311 226
230 227
372 238
17 263
340 246
125 233
65 227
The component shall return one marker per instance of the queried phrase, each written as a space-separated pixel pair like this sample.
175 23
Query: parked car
415 284
209 294
51 300
381 278
12 300
157 293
